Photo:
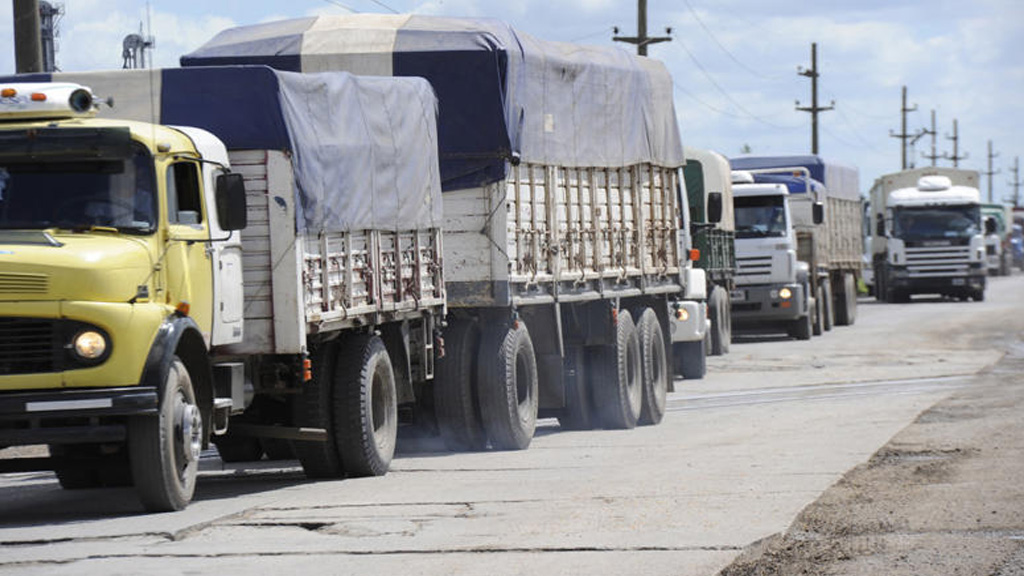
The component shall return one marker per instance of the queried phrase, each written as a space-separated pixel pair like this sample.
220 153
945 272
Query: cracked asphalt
896 418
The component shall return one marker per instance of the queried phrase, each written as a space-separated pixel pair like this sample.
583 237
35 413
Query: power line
602 32
385 6
867 145
711 79
340 5
722 46
705 104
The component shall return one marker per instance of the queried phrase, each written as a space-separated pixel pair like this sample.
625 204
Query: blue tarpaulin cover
502 94
840 181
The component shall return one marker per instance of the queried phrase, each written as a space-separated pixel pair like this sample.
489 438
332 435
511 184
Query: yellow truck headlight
89 344
785 293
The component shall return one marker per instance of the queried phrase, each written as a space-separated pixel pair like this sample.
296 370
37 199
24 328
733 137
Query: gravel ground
943 497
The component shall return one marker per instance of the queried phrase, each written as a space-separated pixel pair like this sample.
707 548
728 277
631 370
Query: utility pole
1016 182
28 46
956 157
990 173
934 155
903 135
813 109
642 40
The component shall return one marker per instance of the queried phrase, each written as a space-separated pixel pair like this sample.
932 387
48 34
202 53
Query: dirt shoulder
945 496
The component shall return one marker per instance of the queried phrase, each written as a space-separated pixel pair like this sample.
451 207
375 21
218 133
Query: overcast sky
734 63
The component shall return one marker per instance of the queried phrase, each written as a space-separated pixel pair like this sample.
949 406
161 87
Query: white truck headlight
785 293
89 344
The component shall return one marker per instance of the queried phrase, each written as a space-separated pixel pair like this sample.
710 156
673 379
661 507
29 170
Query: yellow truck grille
28 346
15 283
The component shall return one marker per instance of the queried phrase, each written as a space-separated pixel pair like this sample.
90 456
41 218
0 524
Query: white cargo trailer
566 250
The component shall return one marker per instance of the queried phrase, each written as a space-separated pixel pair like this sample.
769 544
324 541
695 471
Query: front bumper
974 281
72 416
762 303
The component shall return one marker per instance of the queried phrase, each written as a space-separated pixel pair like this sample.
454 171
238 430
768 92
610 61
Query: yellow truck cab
109 297
154 301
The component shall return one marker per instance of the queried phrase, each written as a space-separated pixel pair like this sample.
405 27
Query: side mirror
990 226
714 207
230 195
880 226
818 212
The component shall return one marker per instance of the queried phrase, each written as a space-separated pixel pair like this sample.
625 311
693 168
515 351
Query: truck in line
928 236
264 254
712 227
996 220
563 223
798 253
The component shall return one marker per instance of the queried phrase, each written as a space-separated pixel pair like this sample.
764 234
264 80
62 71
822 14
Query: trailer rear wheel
818 320
654 371
827 306
721 334
617 377
578 413
164 449
846 301
508 386
365 407
455 402
312 409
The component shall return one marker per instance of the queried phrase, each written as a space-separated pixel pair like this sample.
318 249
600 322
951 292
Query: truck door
189 262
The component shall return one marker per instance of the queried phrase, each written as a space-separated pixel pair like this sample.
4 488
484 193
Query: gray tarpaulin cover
364 149
501 92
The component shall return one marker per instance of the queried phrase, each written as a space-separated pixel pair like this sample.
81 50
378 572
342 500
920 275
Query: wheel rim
188 432
381 415
523 388
634 382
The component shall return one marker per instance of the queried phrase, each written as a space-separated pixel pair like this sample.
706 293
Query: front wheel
164 449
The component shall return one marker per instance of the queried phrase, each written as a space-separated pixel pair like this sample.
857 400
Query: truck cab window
183 194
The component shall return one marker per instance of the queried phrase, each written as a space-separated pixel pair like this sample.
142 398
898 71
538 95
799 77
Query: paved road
739 455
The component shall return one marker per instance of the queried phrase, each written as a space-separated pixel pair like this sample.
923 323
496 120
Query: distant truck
996 221
564 234
709 192
823 208
928 235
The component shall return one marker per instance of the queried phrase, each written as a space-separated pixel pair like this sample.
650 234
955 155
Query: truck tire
827 306
802 328
719 313
312 409
654 369
238 448
846 301
455 402
691 359
617 377
578 413
818 318
508 386
164 449
365 407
